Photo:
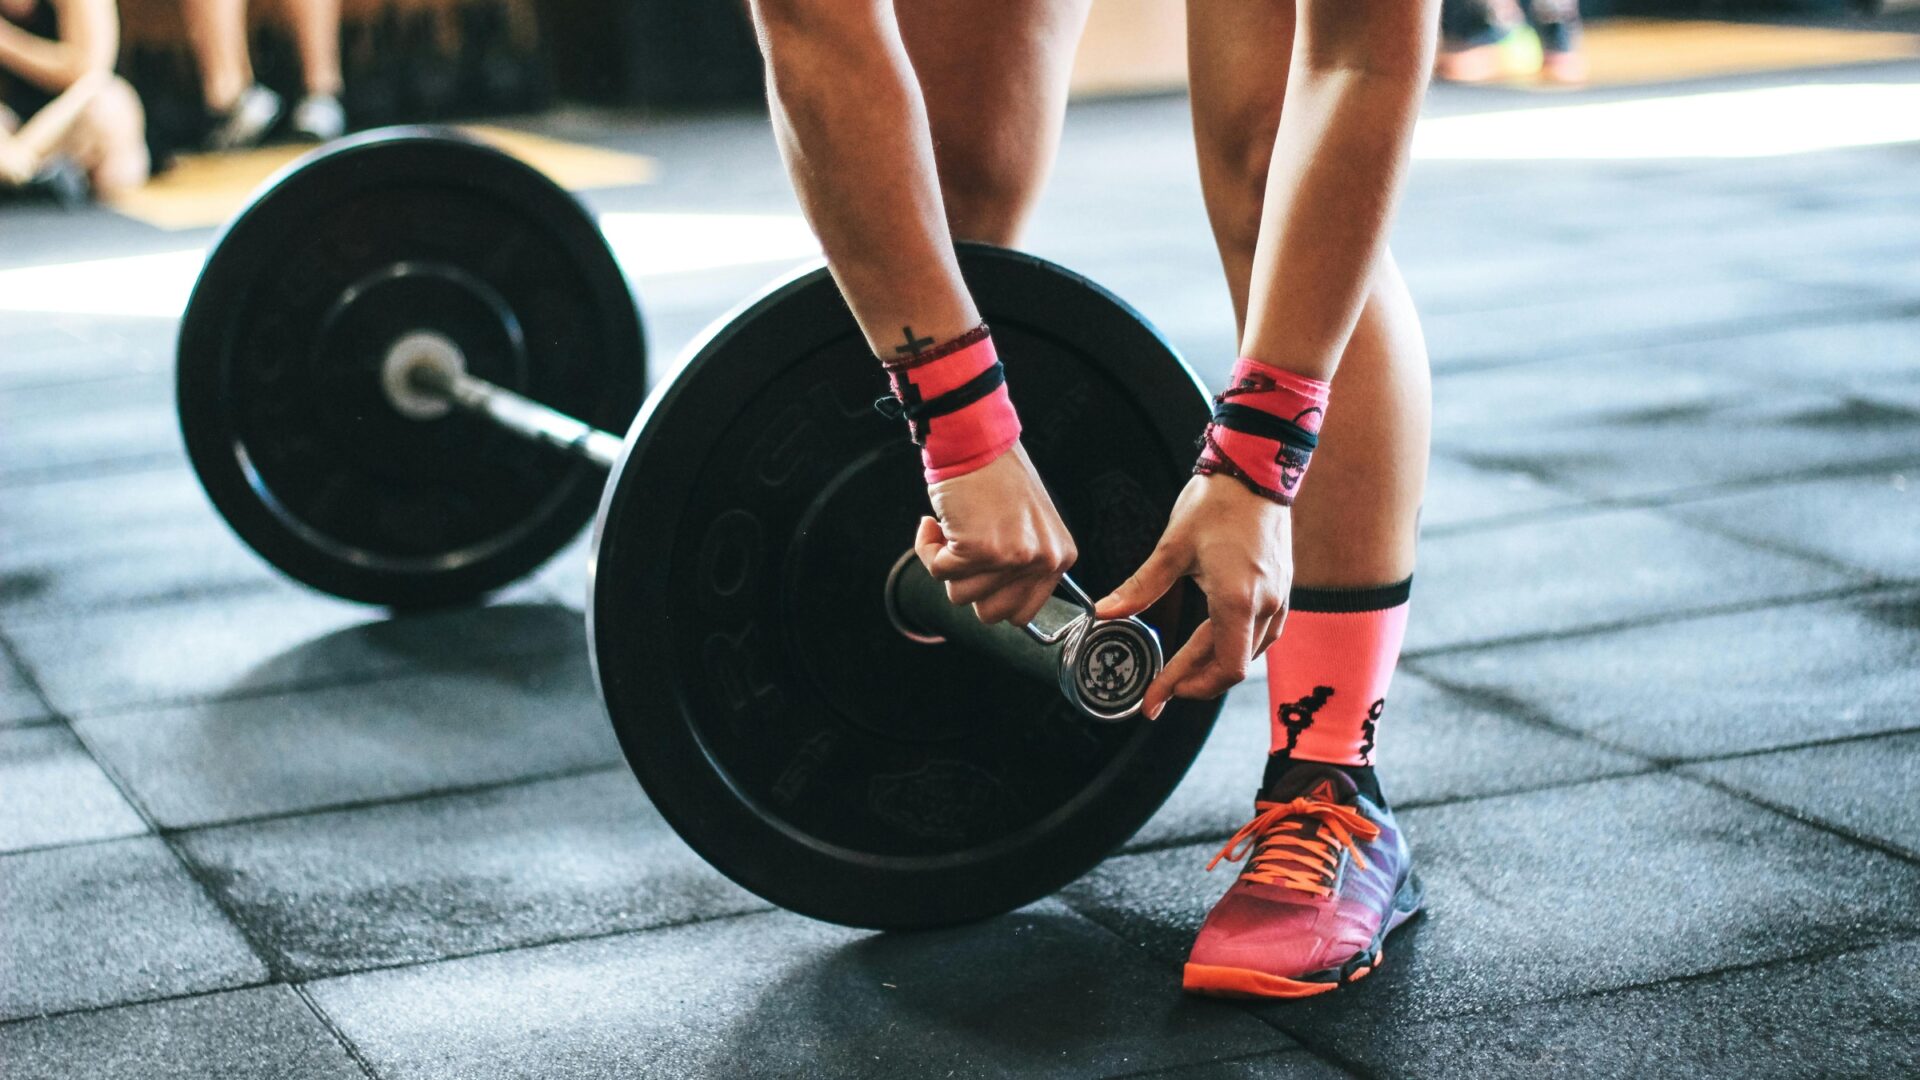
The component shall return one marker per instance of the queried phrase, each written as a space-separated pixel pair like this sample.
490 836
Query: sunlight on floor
1768 122
648 245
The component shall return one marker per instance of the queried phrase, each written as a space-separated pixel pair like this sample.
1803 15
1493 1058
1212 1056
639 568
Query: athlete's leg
994 74
1296 923
1354 520
316 34
217 31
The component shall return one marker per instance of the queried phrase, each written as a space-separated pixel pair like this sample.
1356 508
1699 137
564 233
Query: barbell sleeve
1103 666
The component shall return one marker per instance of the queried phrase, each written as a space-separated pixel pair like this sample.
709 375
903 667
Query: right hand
17 165
996 540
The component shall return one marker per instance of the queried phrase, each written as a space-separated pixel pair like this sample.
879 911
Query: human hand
1238 547
996 540
17 164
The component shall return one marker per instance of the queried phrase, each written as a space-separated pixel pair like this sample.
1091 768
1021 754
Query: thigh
994 74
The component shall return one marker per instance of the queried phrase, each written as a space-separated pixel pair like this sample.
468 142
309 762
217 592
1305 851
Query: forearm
45 130
51 66
1339 161
852 126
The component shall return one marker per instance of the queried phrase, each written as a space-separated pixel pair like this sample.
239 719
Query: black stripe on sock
1351 601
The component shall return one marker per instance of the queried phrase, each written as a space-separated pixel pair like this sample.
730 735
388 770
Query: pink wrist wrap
1264 429
954 399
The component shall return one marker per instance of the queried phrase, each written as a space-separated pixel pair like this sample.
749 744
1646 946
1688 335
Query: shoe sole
1213 980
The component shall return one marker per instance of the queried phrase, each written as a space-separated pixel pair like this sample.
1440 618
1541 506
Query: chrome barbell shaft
519 414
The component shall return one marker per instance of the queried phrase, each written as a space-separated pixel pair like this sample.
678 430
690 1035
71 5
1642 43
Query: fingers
1231 648
1149 583
1191 656
928 543
1040 591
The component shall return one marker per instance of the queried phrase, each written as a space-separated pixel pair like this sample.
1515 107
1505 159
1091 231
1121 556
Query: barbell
400 375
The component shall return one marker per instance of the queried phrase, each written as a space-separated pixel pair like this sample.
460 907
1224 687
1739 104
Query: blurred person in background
244 112
1489 40
65 118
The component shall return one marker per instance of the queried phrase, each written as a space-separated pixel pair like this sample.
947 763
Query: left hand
1238 547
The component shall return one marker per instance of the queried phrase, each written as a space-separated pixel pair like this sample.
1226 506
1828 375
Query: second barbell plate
392 239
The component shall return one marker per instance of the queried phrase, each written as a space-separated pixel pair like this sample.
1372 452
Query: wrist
954 399
1264 429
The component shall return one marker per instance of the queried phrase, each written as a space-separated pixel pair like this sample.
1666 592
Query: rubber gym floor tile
1726 684
1751 437
1553 893
1610 390
41 440
1553 576
388 738
1434 746
52 792
90 509
1858 355
429 879
110 923
1868 787
1283 1065
1041 992
1459 494
86 572
1585 324
1851 1014
18 703
255 643
237 1035
1871 521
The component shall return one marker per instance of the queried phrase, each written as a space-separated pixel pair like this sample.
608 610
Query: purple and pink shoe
1327 877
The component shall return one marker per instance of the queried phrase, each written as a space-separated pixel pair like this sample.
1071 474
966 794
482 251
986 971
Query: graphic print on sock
1367 728
1338 649
1297 716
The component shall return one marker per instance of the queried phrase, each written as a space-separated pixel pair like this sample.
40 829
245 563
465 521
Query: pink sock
1327 676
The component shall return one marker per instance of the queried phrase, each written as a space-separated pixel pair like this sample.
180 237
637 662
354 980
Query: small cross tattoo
913 344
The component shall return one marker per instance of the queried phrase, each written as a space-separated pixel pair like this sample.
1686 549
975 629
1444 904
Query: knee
116 130
987 190
1238 150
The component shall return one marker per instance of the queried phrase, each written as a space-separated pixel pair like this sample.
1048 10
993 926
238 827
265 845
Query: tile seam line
306 981
1685 334
326 1021
1299 1050
472 664
29 615
1592 503
1681 979
325 809
1640 622
1872 843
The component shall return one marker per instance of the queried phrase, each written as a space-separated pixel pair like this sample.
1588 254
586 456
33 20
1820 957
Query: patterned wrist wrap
954 400
1264 429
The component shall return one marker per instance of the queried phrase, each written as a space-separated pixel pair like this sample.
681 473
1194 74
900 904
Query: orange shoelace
1282 853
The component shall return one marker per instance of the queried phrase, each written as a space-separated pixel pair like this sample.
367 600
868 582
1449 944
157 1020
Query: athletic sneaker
1502 52
249 119
319 117
1327 877
1561 60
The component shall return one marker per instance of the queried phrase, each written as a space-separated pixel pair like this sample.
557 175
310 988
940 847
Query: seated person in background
60 100
243 111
